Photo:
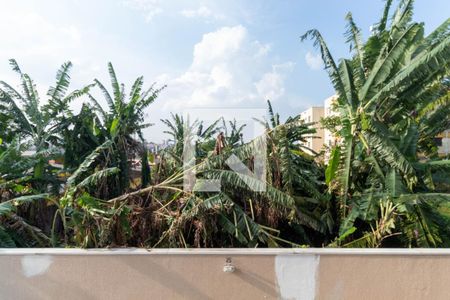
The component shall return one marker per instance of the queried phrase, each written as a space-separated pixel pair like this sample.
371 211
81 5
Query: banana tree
40 125
293 202
17 232
165 215
381 89
124 121
7 128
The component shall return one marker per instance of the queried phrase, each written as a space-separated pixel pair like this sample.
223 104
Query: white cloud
219 46
32 40
41 44
314 62
264 49
149 8
152 8
228 69
271 85
201 12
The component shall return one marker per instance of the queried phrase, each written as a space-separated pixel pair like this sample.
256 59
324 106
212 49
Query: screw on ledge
228 266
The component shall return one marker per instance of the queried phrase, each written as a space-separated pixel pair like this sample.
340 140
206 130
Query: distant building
444 143
324 137
155 147
313 115
328 138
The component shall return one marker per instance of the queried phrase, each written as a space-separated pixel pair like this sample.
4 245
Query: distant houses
155 147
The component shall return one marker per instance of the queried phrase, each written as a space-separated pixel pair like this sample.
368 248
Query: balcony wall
199 274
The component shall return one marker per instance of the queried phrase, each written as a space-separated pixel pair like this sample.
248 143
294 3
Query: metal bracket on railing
228 266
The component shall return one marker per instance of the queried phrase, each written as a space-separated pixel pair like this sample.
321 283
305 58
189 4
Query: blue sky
209 53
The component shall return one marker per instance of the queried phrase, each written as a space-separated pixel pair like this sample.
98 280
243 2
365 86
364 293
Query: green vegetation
383 186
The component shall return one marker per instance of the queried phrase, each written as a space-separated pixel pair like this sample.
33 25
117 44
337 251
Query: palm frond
387 60
107 95
381 26
403 15
390 154
88 162
9 206
97 177
328 60
355 40
427 63
116 86
58 92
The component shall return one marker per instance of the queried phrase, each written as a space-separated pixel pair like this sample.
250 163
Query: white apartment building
314 114
325 137
444 147
328 138
322 136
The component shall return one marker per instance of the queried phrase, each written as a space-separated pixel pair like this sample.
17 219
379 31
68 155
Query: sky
210 54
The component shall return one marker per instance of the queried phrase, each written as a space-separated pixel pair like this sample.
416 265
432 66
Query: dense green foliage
393 99
384 184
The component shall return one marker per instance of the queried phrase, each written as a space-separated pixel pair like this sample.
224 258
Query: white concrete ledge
226 251
307 273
